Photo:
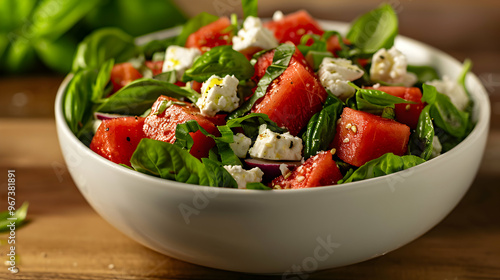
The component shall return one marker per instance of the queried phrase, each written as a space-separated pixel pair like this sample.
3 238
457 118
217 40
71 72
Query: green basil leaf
386 164
52 18
218 175
461 81
103 78
168 161
220 61
19 215
193 25
251 123
257 186
321 127
372 100
448 117
77 103
168 77
139 95
429 94
421 140
249 8
282 56
15 13
374 30
424 73
102 45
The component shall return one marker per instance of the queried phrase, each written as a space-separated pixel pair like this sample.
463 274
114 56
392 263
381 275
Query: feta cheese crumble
275 146
241 145
179 59
335 73
218 94
389 66
242 176
453 90
253 34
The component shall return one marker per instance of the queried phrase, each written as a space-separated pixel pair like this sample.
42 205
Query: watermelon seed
128 139
333 151
300 178
346 140
407 107
354 128
348 126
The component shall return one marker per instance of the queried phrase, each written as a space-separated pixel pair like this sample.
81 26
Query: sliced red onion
106 116
271 168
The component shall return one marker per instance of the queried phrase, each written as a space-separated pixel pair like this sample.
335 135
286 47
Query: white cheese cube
241 145
242 176
179 59
453 90
253 34
218 94
275 146
389 66
334 73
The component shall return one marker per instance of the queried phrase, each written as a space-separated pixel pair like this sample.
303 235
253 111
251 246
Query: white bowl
282 231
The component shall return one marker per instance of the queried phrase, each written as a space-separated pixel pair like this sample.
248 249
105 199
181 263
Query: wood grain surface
66 239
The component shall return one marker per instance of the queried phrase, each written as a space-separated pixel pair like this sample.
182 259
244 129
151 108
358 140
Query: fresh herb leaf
282 56
374 30
220 61
251 123
448 117
171 162
168 77
421 140
372 100
19 215
139 95
219 177
424 73
193 25
102 45
386 164
461 81
249 8
321 127
77 104
168 161
102 80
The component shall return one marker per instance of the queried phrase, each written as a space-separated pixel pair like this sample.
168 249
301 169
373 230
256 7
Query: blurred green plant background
42 35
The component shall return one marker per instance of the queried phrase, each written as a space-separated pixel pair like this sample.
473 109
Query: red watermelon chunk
362 137
116 139
266 60
122 74
292 98
161 126
293 26
406 113
211 35
319 170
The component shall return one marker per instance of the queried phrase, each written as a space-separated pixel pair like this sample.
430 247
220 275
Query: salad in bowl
264 104
160 133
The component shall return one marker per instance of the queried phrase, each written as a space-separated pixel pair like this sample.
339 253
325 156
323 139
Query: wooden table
66 239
